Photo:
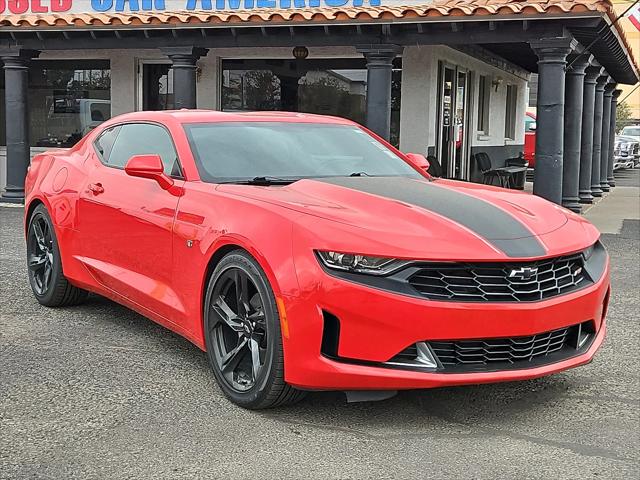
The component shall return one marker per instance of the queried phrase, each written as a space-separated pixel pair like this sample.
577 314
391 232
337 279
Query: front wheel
243 337
49 285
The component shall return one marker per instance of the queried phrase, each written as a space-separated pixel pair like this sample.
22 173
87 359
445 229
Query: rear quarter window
104 143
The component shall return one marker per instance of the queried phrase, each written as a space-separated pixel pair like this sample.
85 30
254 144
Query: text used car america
305 253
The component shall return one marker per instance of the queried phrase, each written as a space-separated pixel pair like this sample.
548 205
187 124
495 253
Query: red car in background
303 252
530 139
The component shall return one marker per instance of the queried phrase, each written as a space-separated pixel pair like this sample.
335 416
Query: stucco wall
420 84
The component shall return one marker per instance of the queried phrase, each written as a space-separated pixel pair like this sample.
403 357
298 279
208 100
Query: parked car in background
626 153
632 131
530 139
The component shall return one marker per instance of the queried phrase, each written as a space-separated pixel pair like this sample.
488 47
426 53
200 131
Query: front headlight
359 263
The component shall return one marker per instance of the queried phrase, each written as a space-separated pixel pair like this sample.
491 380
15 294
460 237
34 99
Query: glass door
460 157
453 122
445 129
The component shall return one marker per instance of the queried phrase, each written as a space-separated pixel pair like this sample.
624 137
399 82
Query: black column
552 60
289 93
586 141
612 137
379 64
606 125
16 76
183 64
573 96
596 190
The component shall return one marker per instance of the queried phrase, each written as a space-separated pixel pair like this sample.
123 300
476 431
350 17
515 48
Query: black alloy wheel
40 256
49 285
242 333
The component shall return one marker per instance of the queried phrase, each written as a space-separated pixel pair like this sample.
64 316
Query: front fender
207 223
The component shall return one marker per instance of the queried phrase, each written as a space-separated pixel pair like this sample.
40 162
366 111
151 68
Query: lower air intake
458 356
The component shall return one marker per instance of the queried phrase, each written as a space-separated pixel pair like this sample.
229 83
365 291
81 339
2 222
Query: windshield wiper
265 181
359 174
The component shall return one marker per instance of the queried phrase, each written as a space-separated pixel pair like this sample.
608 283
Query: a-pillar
16 75
183 64
574 88
552 61
379 68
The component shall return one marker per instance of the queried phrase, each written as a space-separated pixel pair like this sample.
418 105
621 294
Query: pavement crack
578 448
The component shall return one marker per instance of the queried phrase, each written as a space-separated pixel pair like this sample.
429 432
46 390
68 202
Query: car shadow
330 410
489 404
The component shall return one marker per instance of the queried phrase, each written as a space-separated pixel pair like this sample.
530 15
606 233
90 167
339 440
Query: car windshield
632 131
241 151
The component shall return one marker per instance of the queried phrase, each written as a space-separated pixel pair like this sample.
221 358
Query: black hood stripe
484 219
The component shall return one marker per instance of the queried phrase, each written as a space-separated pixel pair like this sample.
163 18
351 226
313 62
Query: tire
48 283
241 316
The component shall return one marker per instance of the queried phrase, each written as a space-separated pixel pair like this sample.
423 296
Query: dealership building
446 78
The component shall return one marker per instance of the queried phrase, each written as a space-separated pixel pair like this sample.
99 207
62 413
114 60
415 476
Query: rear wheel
242 333
48 283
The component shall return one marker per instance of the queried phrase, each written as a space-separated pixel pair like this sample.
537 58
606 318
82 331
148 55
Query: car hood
395 207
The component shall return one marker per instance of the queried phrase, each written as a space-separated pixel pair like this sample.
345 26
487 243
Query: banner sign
22 7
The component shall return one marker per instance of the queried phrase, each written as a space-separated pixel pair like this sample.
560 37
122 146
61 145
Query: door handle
96 188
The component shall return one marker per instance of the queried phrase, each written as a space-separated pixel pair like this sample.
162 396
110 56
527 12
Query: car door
126 222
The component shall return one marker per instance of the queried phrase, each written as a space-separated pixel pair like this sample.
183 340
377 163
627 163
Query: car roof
213 116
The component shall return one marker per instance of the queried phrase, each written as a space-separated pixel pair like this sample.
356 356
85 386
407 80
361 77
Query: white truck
626 151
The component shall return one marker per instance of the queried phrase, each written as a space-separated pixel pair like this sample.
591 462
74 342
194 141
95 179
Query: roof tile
437 8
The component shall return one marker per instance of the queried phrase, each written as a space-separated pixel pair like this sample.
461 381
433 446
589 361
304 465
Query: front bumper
376 325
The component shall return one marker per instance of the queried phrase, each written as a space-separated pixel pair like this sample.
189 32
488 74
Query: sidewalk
622 203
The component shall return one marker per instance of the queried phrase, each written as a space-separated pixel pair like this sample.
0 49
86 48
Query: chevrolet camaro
303 253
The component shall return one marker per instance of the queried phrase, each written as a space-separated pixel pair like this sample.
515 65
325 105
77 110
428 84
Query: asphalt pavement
98 391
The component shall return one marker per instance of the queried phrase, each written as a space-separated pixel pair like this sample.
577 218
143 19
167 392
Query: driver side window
139 139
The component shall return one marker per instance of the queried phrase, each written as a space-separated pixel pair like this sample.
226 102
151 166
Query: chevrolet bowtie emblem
523 273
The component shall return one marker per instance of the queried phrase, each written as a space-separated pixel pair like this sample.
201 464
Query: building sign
21 7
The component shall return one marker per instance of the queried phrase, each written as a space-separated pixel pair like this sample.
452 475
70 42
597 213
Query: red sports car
305 253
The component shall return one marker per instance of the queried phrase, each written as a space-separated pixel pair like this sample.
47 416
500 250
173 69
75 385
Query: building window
313 87
510 114
67 99
484 98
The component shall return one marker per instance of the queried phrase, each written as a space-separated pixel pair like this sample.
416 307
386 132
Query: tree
623 116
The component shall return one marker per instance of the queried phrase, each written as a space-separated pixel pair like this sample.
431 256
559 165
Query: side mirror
418 160
149 166
532 127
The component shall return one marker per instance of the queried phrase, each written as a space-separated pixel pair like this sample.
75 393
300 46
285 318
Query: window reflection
247 90
67 99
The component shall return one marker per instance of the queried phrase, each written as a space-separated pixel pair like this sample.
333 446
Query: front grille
458 356
498 283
